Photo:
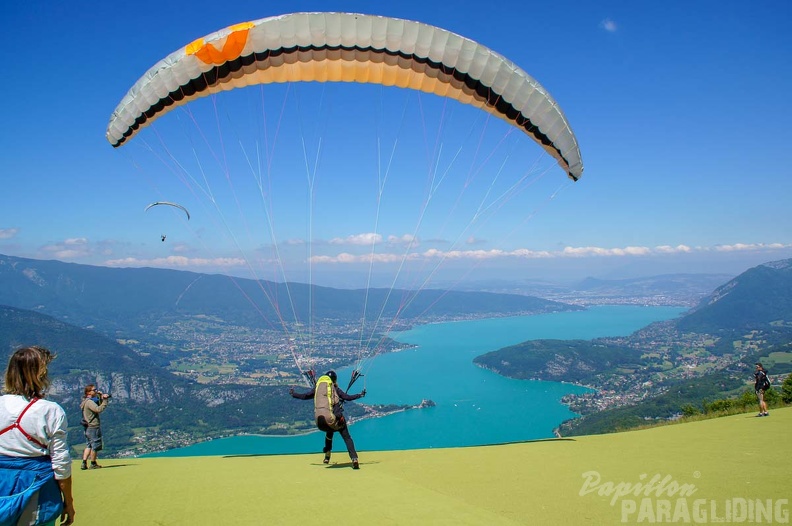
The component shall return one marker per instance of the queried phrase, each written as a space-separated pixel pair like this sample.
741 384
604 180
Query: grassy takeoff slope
737 458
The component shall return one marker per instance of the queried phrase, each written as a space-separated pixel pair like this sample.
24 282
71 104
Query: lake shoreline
474 405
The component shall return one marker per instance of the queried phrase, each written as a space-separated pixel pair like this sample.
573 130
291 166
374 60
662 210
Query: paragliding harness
21 430
328 407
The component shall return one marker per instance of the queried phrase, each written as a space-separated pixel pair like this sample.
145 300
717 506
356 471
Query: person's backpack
765 383
83 421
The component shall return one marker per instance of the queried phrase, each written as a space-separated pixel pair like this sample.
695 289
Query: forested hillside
147 400
758 298
578 361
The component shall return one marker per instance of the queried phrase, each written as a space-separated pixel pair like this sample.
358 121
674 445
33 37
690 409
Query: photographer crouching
94 402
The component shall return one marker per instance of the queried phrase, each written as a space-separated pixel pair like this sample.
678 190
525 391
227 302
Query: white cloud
176 261
583 251
8 233
605 252
524 253
370 238
609 25
71 248
532 254
743 247
363 258
81 248
357 239
475 254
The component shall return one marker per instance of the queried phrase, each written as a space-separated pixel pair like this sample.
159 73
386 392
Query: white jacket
46 422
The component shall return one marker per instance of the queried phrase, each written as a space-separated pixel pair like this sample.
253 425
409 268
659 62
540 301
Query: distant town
208 350
667 355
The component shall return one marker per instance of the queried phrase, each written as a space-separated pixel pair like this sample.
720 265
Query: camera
102 395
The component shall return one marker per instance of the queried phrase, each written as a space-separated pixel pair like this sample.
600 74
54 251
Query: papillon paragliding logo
662 499
340 48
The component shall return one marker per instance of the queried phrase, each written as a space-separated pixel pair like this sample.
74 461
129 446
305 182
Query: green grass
738 456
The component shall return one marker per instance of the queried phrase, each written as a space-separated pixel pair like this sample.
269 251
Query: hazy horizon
484 277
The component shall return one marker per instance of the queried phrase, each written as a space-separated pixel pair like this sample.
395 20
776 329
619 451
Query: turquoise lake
474 406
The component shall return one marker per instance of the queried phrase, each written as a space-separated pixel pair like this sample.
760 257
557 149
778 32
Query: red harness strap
17 426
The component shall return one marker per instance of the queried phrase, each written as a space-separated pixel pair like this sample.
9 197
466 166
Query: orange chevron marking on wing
233 46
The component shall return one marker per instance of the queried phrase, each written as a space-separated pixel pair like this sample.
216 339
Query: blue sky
681 110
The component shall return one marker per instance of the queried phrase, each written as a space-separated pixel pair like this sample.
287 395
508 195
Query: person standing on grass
761 384
93 403
35 466
329 413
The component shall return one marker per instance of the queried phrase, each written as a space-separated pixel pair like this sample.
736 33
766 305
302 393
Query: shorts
93 438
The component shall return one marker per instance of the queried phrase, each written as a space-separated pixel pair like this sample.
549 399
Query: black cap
333 376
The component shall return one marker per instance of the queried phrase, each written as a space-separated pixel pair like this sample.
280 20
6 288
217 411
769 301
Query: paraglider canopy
349 47
160 203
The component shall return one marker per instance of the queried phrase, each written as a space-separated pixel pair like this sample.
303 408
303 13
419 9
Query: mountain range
759 297
126 302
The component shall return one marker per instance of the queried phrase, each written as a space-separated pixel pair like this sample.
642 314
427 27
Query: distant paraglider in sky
166 203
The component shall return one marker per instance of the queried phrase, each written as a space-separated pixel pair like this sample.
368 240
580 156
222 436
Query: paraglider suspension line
355 376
